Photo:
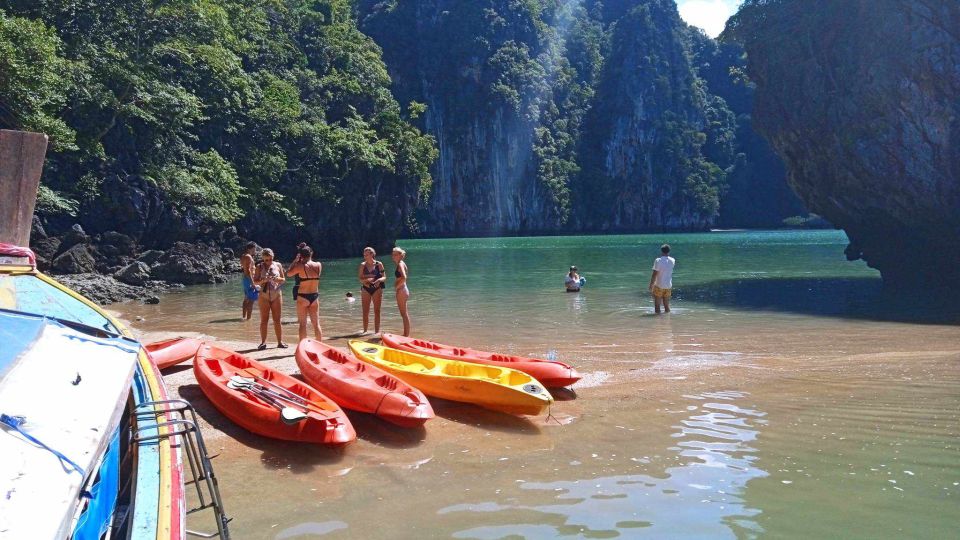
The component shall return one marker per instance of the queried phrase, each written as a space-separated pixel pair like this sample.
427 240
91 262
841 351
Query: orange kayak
550 373
325 422
359 386
171 352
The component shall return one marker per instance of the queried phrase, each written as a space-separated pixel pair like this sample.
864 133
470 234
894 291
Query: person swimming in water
372 279
269 278
403 293
308 294
573 282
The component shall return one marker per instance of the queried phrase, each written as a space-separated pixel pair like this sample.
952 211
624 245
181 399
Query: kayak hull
170 352
325 423
491 387
551 373
360 386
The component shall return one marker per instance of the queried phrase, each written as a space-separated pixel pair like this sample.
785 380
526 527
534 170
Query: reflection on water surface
700 497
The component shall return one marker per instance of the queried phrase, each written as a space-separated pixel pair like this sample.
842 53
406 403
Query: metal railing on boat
179 419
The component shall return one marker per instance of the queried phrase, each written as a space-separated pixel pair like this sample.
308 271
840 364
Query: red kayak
359 386
171 352
264 412
550 373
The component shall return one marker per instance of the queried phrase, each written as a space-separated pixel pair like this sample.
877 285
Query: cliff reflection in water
701 497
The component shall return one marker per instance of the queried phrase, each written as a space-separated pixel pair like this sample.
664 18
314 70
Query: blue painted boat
80 460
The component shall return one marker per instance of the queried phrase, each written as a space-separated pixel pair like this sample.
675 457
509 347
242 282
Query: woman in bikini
308 295
403 293
372 278
269 278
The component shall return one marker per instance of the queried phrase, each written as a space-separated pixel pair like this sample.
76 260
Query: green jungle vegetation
276 111
171 119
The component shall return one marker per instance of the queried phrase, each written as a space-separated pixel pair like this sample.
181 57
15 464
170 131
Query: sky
710 15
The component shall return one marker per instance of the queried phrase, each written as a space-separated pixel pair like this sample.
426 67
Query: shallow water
785 396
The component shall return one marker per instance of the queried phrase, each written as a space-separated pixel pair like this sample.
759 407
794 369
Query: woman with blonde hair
269 277
372 278
403 293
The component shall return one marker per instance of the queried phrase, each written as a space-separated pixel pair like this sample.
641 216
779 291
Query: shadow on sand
849 298
293 456
562 394
473 415
383 433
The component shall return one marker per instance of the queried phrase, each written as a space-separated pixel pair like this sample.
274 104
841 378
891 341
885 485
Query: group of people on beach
262 283
660 286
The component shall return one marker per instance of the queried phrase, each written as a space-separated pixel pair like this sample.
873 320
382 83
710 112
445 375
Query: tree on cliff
173 116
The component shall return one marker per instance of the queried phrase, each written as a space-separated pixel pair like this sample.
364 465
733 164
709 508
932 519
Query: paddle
244 382
256 376
288 415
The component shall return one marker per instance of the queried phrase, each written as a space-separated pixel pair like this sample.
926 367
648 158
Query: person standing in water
403 293
308 295
372 278
269 277
250 293
573 282
661 281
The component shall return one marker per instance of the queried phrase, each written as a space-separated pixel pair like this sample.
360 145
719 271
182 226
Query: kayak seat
460 370
336 356
388 383
518 378
424 344
214 367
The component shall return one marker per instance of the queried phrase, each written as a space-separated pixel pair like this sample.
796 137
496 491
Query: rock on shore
862 100
110 267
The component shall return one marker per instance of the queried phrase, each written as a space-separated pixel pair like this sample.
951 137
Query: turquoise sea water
786 396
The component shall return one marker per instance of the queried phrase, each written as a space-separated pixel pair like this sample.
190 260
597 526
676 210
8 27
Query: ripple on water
311 529
701 497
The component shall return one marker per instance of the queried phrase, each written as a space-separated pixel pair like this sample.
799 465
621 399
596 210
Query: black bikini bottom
372 289
309 297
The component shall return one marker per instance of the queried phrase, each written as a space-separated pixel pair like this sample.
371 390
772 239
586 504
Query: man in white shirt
661 281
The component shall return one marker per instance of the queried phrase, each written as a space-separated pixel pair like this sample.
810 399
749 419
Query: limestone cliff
573 115
862 100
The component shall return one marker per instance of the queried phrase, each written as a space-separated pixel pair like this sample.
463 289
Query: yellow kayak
501 389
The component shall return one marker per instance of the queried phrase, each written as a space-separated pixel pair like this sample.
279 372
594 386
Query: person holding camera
269 277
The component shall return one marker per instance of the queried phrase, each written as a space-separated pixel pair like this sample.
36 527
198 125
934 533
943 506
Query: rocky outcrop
135 273
107 290
76 260
110 267
862 101
190 264
643 156
475 66
577 115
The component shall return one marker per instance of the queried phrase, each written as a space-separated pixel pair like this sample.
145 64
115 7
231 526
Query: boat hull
155 485
551 373
360 386
325 422
490 387
170 352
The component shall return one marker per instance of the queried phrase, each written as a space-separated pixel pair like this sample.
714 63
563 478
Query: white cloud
710 15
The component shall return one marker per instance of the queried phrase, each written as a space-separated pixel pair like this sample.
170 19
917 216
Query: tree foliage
277 110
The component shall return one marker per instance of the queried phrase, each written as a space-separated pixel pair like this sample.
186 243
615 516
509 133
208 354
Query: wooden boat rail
180 420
